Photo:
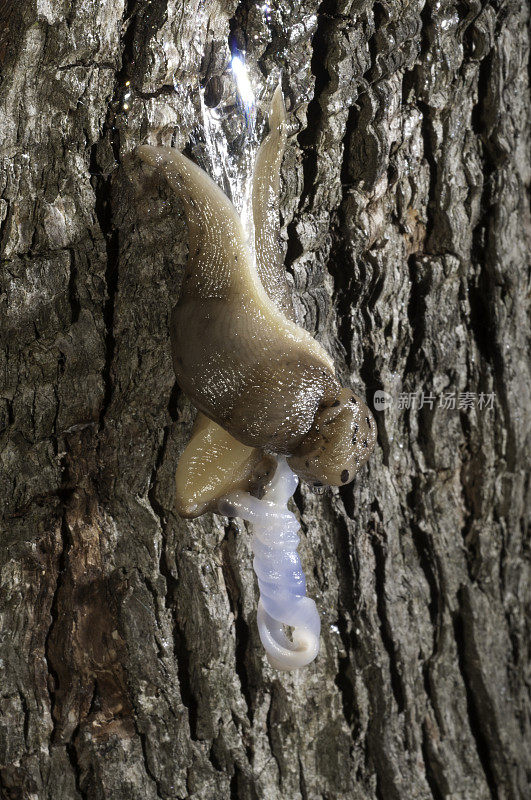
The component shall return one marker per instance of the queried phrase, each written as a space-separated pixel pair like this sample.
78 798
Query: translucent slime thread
277 565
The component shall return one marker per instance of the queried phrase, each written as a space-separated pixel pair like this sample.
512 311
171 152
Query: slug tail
277 113
201 195
265 200
219 260
215 464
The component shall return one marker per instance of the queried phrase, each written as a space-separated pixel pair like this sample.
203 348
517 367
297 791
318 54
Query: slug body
236 352
265 201
268 398
242 362
214 464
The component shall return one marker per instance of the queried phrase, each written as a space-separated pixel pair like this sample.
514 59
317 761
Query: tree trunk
131 663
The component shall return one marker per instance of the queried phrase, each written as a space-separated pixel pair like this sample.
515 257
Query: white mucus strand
243 84
235 168
277 565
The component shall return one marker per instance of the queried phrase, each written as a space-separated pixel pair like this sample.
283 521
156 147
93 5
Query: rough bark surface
131 665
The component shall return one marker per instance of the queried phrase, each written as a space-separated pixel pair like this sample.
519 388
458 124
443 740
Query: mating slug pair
268 398
263 384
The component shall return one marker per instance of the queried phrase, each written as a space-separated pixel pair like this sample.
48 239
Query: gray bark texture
131 665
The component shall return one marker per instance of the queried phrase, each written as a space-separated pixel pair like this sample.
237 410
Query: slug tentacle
281 581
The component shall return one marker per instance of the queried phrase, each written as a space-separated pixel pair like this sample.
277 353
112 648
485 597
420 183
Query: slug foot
283 602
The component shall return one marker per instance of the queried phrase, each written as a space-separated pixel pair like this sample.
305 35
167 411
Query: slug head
339 442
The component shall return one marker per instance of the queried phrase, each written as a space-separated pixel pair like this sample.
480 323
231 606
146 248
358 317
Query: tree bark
131 664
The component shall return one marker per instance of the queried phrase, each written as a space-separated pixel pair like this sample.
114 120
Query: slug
270 406
237 351
213 465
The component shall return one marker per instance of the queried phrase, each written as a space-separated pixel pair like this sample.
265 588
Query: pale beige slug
237 352
213 465
265 199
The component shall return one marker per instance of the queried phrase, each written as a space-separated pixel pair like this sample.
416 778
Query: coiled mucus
277 565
